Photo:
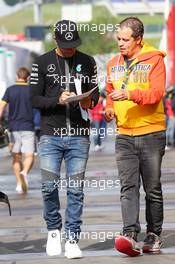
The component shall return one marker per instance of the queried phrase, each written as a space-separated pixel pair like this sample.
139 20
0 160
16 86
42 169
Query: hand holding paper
64 96
78 98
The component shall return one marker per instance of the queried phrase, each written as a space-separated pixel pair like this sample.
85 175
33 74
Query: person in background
170 118
97 117
37 124
135 88
21 127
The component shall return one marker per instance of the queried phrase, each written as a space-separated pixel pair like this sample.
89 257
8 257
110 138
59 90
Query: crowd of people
134 99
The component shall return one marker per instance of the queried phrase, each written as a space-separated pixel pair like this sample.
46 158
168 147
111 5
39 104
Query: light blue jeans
75 151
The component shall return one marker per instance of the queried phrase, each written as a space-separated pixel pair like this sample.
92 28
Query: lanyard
127 71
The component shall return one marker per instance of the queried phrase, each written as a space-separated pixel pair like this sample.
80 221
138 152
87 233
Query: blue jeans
75 152
141 156
97 125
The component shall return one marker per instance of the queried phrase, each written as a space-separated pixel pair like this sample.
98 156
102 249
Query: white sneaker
101 147
24 182
98 148
19 188
53 247
72 250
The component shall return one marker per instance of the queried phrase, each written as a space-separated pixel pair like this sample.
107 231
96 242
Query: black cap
66 34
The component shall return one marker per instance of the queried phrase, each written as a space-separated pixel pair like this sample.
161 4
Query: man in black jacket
56 77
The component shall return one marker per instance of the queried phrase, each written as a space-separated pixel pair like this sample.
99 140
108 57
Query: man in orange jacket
135 87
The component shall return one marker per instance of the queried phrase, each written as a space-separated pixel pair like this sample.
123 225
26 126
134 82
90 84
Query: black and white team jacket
49 78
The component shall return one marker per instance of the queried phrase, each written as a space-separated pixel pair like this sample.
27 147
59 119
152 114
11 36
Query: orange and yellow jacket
143 112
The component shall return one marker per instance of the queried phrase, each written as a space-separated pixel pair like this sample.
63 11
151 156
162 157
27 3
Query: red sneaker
152 243
127 245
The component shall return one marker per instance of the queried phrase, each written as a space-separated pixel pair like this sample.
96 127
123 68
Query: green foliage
51 13
94 42
16 22
153 42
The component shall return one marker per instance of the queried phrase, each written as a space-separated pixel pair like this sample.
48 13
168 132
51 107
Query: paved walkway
23 235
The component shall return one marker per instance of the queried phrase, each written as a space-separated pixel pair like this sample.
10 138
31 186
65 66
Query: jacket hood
148 51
